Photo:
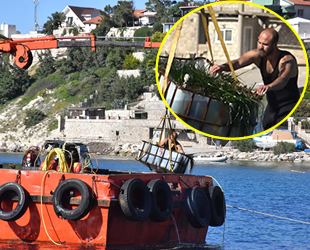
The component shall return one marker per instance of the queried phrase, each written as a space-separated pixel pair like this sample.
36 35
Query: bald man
279 71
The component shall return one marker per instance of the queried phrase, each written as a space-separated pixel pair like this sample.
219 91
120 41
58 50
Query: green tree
161 7
143 32
14 81
131 62
47 64
124 14
115 58
244 145
302 111
283 148
33 117
53 23
158 37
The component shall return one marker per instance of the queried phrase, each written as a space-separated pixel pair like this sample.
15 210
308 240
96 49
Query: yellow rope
205 25
175 146
42 184
171 55
62 163
217 28
271 215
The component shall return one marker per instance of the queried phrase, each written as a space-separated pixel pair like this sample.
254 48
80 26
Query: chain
61 179
18 177
94 185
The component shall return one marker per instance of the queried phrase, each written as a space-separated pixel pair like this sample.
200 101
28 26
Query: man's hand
216 69
263 89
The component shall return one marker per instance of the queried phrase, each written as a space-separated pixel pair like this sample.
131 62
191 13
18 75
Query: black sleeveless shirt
289 95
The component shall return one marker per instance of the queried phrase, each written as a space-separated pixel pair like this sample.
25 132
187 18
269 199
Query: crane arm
21 48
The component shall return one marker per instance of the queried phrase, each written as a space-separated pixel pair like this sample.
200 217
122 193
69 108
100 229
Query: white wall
8 30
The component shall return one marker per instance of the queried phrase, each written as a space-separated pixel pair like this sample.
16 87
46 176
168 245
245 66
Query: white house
301 26
148 18
92 23
75 18
145 17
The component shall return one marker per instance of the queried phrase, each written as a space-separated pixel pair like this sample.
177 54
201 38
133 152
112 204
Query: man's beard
264 53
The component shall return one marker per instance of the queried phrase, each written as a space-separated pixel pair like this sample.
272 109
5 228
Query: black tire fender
197 207
218 206
161 200
9 190
61 197
135 200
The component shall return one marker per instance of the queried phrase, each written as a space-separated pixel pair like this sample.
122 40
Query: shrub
244 145
131 62
33 117
283 148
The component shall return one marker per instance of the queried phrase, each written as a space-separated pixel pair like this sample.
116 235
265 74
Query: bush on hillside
283 148
131 62
244 145
33 117
143 32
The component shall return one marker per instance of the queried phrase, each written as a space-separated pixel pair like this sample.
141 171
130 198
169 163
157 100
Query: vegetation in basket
194 76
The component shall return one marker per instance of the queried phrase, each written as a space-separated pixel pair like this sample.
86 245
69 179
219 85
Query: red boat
108 208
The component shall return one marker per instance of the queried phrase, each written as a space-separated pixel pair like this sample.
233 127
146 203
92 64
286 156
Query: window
227 36
70 20
300 12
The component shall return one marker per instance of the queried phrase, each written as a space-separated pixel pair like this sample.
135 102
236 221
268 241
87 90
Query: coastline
234 156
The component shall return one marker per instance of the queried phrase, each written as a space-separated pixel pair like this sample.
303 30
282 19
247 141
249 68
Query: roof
80 11
297 20
139 13
95 20
298 2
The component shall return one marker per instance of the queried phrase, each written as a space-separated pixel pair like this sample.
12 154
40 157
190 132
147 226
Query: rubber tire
197 207
161 199
218 206
10 188
135 200
61 193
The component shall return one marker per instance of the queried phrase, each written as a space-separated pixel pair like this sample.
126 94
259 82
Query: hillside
49 88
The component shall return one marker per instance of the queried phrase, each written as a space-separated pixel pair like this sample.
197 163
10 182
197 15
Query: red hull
105 224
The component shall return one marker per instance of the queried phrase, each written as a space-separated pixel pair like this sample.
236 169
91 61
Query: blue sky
21 12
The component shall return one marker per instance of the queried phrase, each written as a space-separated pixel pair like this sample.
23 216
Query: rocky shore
232 154
131 150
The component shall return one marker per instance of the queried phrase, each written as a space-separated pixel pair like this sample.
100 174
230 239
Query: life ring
218 206
9 190
161 200
197 207
135 200
61 197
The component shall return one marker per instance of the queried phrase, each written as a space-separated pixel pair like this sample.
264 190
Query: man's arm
180 149
287 70
248 58
163 142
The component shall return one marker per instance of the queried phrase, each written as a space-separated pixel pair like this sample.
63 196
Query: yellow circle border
233 138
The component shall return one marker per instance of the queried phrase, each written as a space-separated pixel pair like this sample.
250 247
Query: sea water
268 204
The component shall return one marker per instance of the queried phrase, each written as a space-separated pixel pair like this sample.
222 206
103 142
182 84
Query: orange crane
21 48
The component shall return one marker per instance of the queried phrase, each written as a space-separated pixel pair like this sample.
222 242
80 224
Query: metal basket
157 158
203 113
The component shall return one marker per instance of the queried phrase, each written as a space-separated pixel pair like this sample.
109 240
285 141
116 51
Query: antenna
36 24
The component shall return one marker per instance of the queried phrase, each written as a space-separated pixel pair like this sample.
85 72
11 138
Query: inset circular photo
232 70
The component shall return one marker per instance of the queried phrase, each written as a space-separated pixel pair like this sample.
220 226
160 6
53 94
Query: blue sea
268 204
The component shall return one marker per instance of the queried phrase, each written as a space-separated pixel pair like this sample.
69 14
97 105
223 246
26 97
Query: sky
21 12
